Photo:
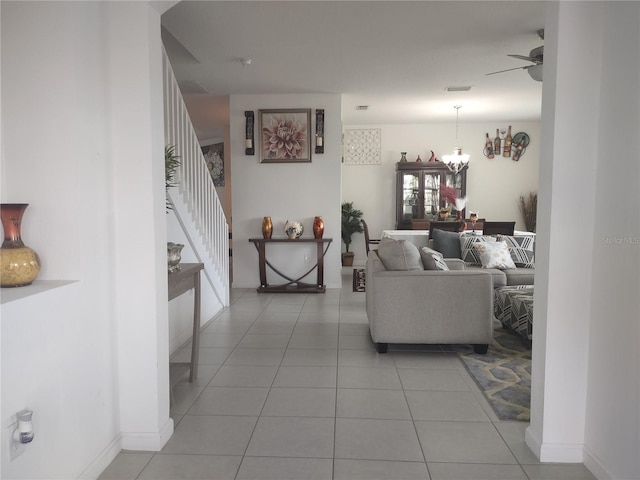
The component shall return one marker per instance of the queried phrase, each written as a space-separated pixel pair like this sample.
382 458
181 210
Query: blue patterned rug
503 374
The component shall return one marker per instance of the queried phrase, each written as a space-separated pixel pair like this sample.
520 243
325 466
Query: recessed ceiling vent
462 88
362 107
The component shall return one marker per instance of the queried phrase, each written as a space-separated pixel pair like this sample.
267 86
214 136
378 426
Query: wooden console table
182 281
294 285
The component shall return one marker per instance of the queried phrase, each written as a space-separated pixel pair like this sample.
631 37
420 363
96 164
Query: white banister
198 209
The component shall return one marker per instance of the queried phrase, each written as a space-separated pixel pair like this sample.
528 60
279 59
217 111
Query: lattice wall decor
362 146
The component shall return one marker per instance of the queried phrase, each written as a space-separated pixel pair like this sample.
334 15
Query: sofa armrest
455 263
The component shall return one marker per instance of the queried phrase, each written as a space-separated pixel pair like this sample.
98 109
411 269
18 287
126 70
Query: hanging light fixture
458 160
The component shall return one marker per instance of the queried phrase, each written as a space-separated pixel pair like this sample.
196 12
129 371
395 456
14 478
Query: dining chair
367 240
494 228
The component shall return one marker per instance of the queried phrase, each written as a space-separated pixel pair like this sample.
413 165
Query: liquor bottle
496 143
488 147
519 150
506 150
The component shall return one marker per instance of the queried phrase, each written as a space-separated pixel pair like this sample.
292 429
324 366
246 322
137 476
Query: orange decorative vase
318 227
19 265
267 227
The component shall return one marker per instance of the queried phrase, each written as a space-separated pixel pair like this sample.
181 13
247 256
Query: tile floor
290 387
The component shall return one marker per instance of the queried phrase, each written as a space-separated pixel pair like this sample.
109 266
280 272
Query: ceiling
395 57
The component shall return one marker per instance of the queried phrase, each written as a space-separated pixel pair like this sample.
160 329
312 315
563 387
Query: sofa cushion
467 252
520 276
521 249
447 243
440 263
494 255
428 256
399 255
499 277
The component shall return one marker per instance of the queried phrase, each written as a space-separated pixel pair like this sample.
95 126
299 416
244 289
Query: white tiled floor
290 387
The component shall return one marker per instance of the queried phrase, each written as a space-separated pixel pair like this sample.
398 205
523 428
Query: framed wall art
362 146
285 135
214 159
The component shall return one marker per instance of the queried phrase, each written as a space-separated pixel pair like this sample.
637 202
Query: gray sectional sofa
417 306
430 296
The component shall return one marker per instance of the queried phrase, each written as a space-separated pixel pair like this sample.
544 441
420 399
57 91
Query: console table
182 281
294 285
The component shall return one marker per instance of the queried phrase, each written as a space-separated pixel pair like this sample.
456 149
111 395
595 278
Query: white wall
494 185
285 191
585 347
82 127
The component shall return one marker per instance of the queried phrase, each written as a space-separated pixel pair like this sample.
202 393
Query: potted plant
351 223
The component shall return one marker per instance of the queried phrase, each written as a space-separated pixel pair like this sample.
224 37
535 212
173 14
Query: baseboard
554 453
147 442
595 466
103 460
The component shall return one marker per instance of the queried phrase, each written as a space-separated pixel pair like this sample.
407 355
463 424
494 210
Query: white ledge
10 294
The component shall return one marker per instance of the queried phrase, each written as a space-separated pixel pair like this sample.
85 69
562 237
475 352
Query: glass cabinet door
410 196
431 193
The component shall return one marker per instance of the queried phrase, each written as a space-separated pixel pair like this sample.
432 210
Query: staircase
195 201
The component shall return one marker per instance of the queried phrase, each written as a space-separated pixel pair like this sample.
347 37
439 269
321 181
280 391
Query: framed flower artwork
285 135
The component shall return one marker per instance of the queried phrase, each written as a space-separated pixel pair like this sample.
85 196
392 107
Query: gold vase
19 265
267 227
318 227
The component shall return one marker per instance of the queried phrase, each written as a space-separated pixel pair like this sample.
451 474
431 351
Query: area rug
503 374
358 280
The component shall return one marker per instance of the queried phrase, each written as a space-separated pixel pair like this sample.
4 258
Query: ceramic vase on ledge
267 227
318 227
20 265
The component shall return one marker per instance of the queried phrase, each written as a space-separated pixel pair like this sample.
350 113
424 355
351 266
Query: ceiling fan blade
509 69
522 57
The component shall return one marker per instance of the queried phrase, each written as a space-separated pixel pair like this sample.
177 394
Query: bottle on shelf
488 147
506 150
497 143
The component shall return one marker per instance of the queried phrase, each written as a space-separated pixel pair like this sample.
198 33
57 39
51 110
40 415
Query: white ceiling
396 57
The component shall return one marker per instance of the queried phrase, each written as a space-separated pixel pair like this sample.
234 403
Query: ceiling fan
535 56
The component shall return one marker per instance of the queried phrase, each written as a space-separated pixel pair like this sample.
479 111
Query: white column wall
81 128
137 141
585 347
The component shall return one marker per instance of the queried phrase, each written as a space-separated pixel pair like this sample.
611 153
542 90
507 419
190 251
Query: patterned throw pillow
468 254
494 255
521 249
432 259
440 263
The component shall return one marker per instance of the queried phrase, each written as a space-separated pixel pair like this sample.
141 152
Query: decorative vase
267 227
174 255
463 224
418 160
318 227
293 229
403 157
20 265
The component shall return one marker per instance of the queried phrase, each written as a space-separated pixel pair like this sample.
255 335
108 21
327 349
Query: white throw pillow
467 242
399 255
494 255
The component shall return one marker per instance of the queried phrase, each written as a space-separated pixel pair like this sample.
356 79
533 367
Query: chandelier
458 160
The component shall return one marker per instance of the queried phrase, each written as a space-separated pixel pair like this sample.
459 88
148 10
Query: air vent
362 107
458 89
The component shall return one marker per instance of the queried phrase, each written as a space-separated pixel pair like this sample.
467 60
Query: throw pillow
399 255
427 255
521 249
440 263
494 255
467 252
447 243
